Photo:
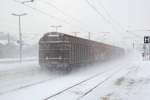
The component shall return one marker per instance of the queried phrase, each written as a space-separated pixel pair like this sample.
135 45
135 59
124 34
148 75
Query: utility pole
56 27
20 34
75 33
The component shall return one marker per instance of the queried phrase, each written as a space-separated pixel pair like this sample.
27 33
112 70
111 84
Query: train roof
59 33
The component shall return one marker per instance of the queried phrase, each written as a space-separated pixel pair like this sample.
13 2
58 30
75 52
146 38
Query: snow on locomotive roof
54 41
54 34
61 34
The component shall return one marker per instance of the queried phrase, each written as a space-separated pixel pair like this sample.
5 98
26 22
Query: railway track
98 84
80 83
90 80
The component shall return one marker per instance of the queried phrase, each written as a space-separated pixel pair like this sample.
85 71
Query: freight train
64 52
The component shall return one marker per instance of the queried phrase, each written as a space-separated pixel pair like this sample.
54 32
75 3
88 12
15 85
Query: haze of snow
131 83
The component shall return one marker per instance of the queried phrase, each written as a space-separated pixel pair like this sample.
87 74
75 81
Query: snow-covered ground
132 83
123 79
21 76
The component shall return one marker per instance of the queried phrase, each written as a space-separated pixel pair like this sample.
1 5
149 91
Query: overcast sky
113 16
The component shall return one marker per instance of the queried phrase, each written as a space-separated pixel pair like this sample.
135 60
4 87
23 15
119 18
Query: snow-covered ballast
62 51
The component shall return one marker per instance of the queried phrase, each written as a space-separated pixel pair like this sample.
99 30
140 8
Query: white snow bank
129 84
132 83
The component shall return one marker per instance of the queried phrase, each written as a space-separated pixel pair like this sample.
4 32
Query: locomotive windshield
57 50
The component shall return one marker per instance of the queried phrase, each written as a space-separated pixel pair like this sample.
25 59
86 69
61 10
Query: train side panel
69 51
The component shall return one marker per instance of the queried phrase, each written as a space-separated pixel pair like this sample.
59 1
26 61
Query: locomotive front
54 51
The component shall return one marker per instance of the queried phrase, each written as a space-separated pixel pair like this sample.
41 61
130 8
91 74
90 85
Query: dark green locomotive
62 51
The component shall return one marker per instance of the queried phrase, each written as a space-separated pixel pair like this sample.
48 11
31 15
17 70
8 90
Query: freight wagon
64 52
